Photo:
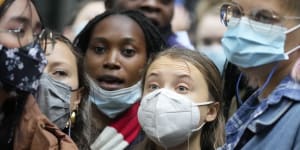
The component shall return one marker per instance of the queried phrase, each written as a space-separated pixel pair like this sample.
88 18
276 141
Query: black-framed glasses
228 11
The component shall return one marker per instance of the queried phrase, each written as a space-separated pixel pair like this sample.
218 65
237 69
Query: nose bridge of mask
254 28
57 88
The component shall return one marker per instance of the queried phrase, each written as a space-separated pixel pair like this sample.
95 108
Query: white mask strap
293 50
203 103
197 129
292 29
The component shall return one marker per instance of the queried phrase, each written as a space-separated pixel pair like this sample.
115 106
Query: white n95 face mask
169 118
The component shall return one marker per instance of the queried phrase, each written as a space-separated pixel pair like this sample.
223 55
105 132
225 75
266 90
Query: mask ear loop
289 31
258 91
292 29
293 50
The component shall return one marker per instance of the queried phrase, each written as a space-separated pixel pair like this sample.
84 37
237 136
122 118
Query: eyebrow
60 63
185 76
179 76
99 39
21 19
125 40
152 74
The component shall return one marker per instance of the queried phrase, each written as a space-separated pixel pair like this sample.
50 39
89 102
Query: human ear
212 112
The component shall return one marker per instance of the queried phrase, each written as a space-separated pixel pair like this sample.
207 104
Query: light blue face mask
247 47
112 103
216 54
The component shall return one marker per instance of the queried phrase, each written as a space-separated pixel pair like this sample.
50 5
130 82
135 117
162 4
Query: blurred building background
59 13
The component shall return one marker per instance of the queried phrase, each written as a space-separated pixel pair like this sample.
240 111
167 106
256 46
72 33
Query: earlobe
76 99
212 112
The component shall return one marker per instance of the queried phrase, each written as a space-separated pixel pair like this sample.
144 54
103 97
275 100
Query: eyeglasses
229 11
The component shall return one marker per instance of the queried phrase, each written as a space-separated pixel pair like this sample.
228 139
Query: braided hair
153 39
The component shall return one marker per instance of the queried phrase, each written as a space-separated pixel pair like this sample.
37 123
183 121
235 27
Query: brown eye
59 74
99 50
128 52
265 16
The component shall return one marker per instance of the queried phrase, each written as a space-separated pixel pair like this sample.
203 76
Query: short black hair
153 39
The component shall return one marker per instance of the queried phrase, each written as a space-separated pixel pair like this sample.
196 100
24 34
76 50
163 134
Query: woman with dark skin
116 47
22 125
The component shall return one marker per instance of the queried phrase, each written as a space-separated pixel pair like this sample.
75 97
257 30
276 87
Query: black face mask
20 68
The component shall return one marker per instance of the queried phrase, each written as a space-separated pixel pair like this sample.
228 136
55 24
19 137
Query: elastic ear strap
292 29
197 129
293 50
204 103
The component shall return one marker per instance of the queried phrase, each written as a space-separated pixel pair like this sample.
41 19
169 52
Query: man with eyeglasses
263 40
160 13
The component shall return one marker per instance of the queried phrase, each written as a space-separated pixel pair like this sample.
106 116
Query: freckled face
116 53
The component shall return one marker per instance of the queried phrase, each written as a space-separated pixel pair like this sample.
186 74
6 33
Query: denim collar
281 99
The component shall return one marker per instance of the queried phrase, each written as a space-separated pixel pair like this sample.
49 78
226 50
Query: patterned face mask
20 68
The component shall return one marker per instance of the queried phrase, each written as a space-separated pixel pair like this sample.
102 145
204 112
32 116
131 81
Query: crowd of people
122 76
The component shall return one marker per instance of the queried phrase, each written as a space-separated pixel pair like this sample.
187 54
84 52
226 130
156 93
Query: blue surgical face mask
250 45
216 54
112 103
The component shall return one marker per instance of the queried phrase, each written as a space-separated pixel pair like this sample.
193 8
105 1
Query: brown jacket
36 132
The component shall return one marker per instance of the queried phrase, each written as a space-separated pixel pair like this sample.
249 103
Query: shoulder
35 131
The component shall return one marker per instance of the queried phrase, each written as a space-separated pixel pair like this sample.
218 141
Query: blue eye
182 89
153 87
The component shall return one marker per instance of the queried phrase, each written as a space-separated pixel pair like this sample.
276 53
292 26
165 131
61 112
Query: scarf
121 132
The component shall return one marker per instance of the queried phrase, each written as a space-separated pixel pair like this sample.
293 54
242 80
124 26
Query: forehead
25 8
117 25
168 66
61 52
